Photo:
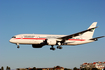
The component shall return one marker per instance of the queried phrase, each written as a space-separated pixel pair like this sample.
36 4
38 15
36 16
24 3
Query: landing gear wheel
18 46
52 48
59 47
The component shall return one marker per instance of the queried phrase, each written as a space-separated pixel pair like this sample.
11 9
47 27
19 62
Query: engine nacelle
96 39
37 45
51 41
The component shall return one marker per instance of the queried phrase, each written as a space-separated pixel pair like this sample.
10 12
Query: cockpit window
14 37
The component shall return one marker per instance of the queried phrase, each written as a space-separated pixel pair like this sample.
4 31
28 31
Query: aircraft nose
11 40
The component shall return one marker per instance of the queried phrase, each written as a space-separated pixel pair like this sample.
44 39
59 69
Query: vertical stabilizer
89 34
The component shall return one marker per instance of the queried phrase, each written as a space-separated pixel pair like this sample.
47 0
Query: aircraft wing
97 38
76 34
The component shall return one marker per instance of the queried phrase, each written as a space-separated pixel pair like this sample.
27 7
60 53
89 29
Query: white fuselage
39 38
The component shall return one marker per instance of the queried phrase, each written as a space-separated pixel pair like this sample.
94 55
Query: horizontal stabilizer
97 38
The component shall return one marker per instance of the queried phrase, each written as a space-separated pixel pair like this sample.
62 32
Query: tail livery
89 34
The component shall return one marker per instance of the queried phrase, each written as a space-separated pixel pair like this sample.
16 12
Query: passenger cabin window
29 36
14 37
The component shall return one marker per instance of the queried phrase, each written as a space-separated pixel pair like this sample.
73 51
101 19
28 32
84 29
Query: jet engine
45 42
37 45
51 41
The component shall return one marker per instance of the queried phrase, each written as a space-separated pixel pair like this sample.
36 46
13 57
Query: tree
34 68
94 69
83 69
18 69
8 68
67 69
75 68
2 68
39 69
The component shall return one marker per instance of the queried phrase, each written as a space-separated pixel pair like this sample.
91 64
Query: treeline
75 68
7 68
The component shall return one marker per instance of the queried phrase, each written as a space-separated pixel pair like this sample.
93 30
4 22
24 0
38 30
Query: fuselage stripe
46 38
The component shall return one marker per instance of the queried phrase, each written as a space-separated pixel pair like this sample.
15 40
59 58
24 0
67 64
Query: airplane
40 40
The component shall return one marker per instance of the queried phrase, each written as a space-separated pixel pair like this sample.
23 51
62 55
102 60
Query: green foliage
83 69
67 69
2 68
8 68
18 69
39 69
94 69
75 68
34 68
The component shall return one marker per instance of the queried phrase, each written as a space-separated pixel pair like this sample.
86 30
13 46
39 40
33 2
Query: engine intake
51 41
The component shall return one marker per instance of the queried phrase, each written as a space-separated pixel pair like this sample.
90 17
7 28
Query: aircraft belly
70 43
78 42
29 41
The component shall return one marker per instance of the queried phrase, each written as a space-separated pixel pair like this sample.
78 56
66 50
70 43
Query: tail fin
89 34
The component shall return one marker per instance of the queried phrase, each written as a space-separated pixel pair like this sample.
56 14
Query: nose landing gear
18 45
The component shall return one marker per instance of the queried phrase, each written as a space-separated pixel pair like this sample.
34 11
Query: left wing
76 34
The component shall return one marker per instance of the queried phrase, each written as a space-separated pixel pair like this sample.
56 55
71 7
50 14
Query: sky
63 17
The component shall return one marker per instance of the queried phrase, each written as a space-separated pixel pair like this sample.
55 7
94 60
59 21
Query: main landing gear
58 47
52 48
